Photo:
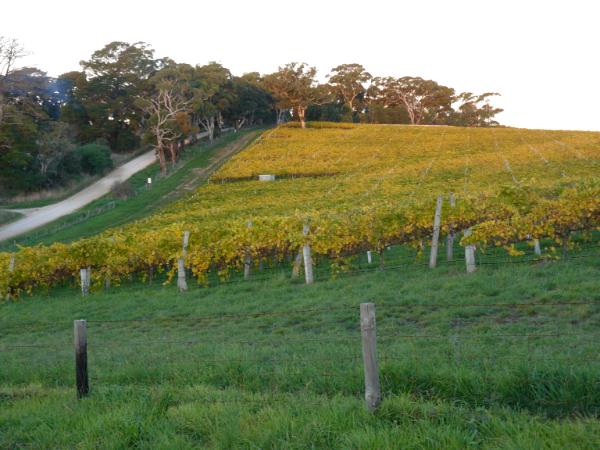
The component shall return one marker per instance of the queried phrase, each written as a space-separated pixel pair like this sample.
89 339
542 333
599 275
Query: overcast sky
542 56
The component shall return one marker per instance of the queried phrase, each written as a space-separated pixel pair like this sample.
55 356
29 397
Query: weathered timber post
308 262
297 265
369 257
181 283
81 370
369 349
247 257
450 237
107 276
469 254
537 249
436 232
11 269
85 276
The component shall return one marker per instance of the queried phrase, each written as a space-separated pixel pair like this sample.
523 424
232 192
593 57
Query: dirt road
36 217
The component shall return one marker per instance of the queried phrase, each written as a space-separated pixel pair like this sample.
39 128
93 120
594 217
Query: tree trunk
173 152
239 124
161 159
301 111
209 125
220 122
280 113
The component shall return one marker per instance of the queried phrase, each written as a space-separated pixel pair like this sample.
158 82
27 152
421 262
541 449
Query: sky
543 57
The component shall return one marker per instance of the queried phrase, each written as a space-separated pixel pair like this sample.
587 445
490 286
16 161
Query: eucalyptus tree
475 110
10 52
348 82
250 102
163 109
213 93
424 100
294 87
116 77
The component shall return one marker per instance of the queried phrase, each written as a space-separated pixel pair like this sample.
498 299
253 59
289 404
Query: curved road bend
36 217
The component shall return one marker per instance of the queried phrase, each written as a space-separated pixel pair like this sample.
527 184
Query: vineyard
356 188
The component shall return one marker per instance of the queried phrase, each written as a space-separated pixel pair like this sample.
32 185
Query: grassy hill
503 358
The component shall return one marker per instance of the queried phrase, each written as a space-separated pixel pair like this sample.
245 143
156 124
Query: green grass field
164 190
506 357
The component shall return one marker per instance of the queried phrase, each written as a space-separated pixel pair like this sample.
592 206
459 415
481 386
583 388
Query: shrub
95 158
122 190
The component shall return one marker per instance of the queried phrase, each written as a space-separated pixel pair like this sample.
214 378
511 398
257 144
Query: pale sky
542 56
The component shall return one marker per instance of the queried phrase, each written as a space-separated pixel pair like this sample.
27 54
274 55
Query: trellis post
369 349
436 233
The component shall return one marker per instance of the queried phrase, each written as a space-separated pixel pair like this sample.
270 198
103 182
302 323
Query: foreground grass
97 216
209 368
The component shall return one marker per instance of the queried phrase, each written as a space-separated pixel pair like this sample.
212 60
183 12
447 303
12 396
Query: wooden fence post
308 263
436 232
85 276
81 370
247 258
181 283
536 247
450 237
107 275
369 349
11 269
469 254
297 264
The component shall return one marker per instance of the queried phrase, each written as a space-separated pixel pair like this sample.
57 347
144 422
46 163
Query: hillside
360 187
502 358
196 164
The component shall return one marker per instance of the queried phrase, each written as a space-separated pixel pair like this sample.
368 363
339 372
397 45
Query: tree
24 105
250 101
162 110
72 88
212 95
424 100
294 87
53 145
475 110
347 83
116 77
10 52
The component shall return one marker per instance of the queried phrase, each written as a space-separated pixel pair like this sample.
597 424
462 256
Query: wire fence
334 351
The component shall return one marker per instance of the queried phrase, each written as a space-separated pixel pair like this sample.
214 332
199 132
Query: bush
70 164
122 190
94 158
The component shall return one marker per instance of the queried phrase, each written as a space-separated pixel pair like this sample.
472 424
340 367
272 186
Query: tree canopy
124 98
